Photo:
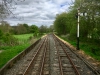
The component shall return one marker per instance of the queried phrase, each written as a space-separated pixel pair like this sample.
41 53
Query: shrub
9 39
1 34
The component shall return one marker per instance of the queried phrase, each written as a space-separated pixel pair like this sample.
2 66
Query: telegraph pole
78 15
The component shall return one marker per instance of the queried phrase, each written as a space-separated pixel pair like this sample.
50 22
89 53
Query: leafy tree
51 28
65 22
5 27
27 27
60 23
8 39
1 34
43 29
34 29
89 21
20 29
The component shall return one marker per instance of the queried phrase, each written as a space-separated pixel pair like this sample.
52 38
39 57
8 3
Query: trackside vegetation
90 49
89 26
8 51
15 39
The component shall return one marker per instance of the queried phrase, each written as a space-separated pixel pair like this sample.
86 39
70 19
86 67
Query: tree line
66 22
7 31
24 28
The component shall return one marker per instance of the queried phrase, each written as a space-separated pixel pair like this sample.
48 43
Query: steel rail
59 59
90 66
77 72
96 71
27 69
44 56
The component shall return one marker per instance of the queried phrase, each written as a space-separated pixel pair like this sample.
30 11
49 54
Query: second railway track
37 64
50 57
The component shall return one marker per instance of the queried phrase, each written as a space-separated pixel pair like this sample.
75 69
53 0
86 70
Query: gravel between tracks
52 57
20 65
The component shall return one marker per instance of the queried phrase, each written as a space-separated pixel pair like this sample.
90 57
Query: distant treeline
24 28
7 31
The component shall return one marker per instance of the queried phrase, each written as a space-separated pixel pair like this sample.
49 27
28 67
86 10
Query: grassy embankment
9 52
89 48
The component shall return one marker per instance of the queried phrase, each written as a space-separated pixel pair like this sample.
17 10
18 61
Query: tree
63 23
51 28
1 34
5 27
7 39
6 7
60 23
34 29
20 29
89 21
27 27
43 29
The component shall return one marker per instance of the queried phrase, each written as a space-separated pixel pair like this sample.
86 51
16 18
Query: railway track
66 64
37 63
50 57
80 66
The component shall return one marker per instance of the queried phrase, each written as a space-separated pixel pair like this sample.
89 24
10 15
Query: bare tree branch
6 7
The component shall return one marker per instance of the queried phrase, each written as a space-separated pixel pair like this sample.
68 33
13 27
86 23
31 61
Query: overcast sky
38 12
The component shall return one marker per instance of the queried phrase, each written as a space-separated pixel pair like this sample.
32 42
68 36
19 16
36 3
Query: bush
8 39
30 37
1 34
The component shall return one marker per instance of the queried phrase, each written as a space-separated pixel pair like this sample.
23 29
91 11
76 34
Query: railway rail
76 65
38 59
61 54
48 56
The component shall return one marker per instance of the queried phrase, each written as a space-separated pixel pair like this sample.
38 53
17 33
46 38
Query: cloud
38 12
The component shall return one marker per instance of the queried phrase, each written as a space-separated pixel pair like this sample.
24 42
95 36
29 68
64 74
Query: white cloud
38 12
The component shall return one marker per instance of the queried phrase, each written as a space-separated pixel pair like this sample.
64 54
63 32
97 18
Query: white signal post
78 29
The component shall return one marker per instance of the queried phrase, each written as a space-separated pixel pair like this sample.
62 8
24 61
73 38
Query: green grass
9 52
23 37
89 48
